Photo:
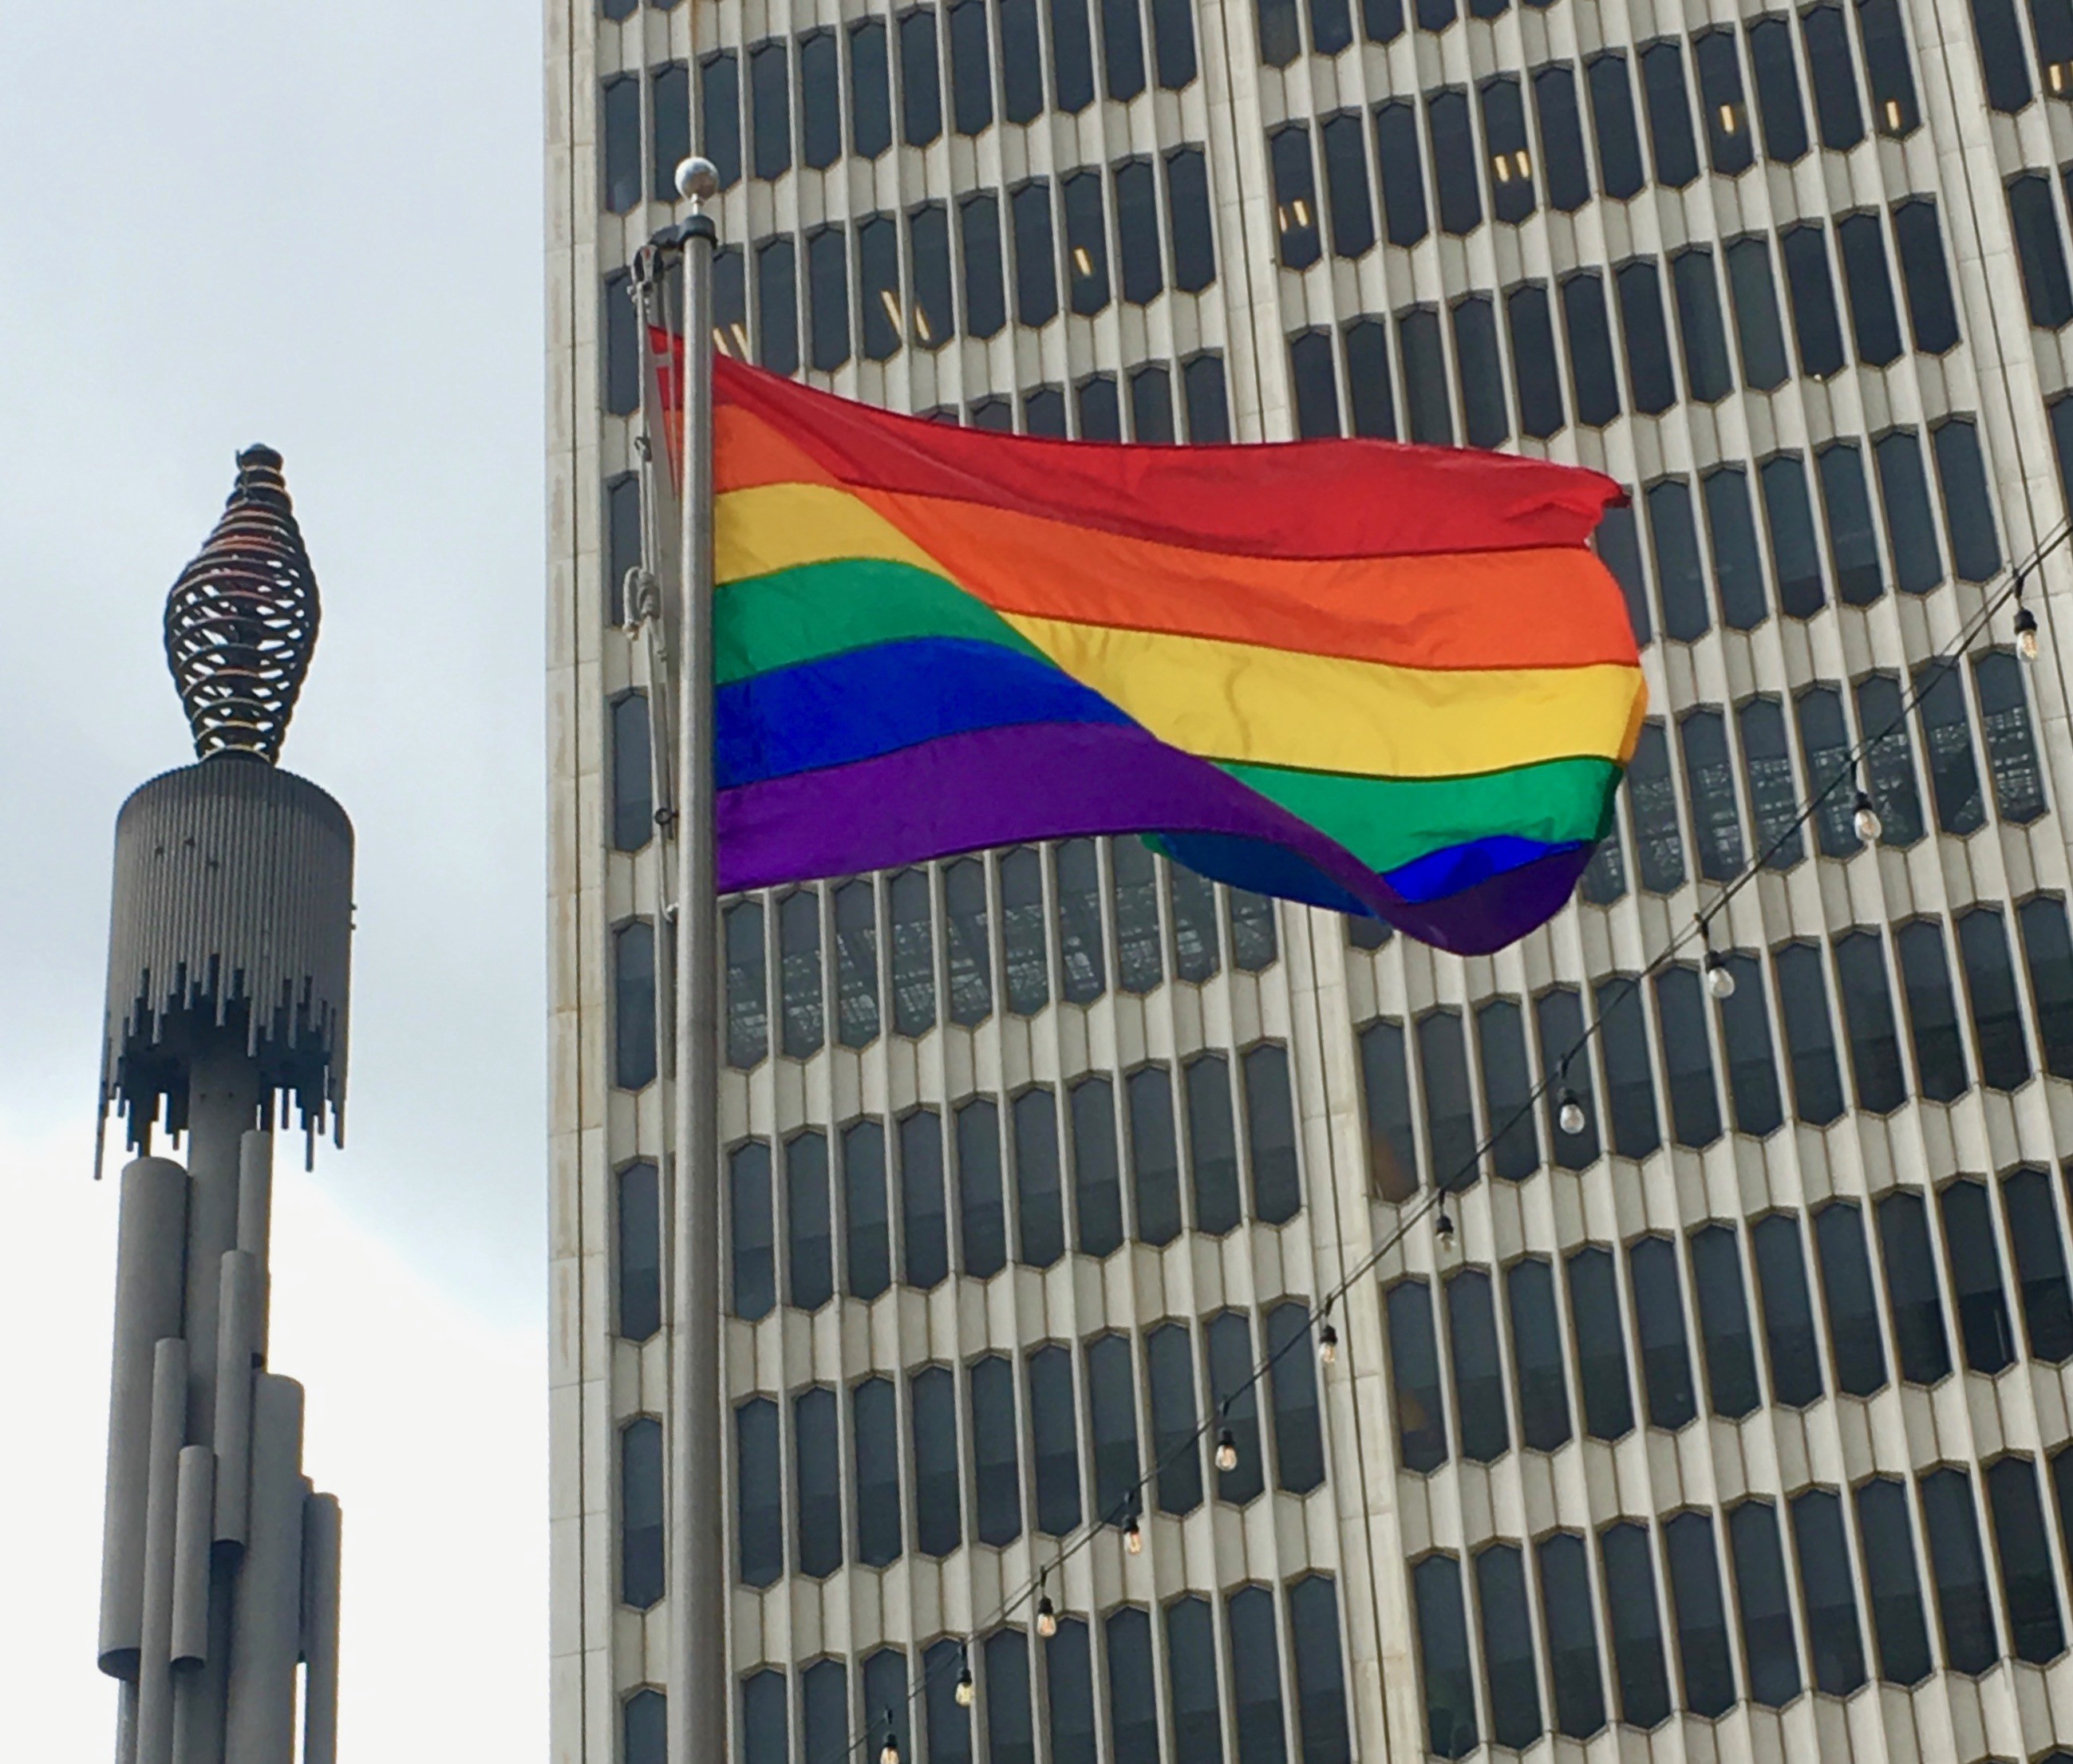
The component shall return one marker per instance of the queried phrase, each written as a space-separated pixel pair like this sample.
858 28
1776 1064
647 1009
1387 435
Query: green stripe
1387 821
821 609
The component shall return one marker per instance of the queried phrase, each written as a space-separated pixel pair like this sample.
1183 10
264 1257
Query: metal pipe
151 1244
322 1525
193 1508
223 1097
155 1662
240 1310
698 1675
265 1630
255 1217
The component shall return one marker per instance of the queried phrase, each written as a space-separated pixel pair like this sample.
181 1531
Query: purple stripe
1004 786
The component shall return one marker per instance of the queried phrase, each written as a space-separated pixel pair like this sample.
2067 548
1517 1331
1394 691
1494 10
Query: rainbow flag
1379 679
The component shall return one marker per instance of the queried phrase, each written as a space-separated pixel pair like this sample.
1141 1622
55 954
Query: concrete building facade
1726 1416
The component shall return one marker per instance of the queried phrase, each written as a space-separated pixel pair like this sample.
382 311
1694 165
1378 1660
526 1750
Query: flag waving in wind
1379 679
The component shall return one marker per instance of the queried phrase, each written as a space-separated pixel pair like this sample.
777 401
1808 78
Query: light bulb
1226 1450
965 1692
890 1752
1328 1344
1047 1617
1569 1115
2025 633
1720 977
1445 1225
1866 820
1133 1536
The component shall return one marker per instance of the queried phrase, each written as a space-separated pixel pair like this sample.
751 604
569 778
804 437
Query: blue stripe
1439 874
866 702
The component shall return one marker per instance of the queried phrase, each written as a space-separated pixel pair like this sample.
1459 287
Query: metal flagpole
698 1679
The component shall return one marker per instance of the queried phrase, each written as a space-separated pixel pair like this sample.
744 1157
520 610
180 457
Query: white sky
227 221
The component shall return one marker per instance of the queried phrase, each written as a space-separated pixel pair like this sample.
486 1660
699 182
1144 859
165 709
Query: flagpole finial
241 620
698 181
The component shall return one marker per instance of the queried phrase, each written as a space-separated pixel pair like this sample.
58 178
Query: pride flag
1377 678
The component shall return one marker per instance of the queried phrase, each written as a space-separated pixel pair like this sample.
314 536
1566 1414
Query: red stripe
1299 499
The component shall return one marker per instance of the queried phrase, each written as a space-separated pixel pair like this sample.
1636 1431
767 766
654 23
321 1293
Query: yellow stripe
781 526
1236 701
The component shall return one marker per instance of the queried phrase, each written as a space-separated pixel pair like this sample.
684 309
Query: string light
1570 1113
2025 633
1047 1617
1133 1528
1720 977
1328 1343
1445 1226
1866 819
890 1752
1226 1449
965 1691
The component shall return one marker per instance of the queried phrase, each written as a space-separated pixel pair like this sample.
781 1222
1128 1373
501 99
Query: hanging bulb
1226 1449
1445 1226
890 1752
2025 633
1328 1344
1720 977
1133 1535
965 1692
1866 820
1047 1617
1569 1114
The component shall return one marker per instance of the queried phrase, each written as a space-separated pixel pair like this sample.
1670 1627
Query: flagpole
699 1674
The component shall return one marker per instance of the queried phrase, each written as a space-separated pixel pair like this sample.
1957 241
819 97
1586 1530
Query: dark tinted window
1676 153
1814 323
920 93
1984 1323
1666 1362
799 973
1976 552
1558 1016
875 1428
1695 1106
1757 331
2040 249
1649 374
1810 1034
1761 1602
646 1727
1315 376
1889 762
980 1211
748 1013
870 1246
1630 1080
1209 408
1698 325
971 79
986 301
1421 1427
1724 1320
1187 211
1874 322
1454 159
1536 1355
884 322
1590 349
1535 362
1443 1638
1888 1548
1478 1383
1788 1311
1910 520
856 964
1314 1642
925 1232
1212 1145
1600 1343
1170 1360
1637 1625
2048 952
1122 76
1072 55
1299 1446
1039 1199
2001 54
820 100
1965 1611
1796 555
1096 1185
1833 1636
1910 1287
1852 1304
938 1483
1155 1160
1112 1402
2035 1630
1778 105
1835 107
1173 43
1767 767
1612 119
1926 275
1400 166
1270 1135
632 789
1515 1148
1509 1677
1192 1715
1133 1698
1702 1625
1237 1399
818 1468
634 1005
1392 1147
640 1247
1561 136
1295 219
1709 777
1990 982
1729 145
2040 1261
1345 140
1426 404
1886 69
1486 419
1571 1627
1010 1735
1868 1014
720 115
640 1563
870 90
619 115
913 955
998 1481
1946 740
758 1475
1450 1121
810 1257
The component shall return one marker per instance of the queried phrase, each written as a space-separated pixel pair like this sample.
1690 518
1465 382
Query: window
1086 242
720 115
1729 147
1652 801
1321 1696
1815 323
1486 420
2041 1266
1810 1034
770 108
644 1729
620 115
886 1714
1965 1612
1708 772
1256 1691
1096 1188
1558 1021
640 1562
1670 139
763 1717
1421 1427
1765 1607
1010 1737
1295 196
1745 1029
1910 1288
2035 1631
1177 1467
1600 1343
1679 572
824 1709
878 286
1443 1639
2048 952
1292 1376
1910 521
1926 277
810 1259
634 1005
1976 552
1212 1146
1649 375
1100 410
1072 55
978 228
1134 893
1536 1355
760 1478
1797 557
1024 961
1315 377
1450 1120
1425 399
1852 1308
1188 214
1512 1683
971 79
1947 738
1113 1402
2041 250
1590 349
622 536
1570 1628
983 1217
869 1257
818 1469
1984 1323
924 1229
754 1239
1202 384
1757 332
1874 324
997 1482
1788 1313
1054 1440
1836 108
1514 1150
1778 104
920 94
1833 1636
1666 1362
1509 161
1888 765
1173 43
1561 136
1155 1160
969 951
938 1483
827 280
820 100
1637 1625
913 955
1133 1697
874 1417
1399 166
632 793
1453 144
1997 1017
1122 76
1695 1106
1331 25
1069 1680
639 1259
1536 366
1620 551
1612 119
1723 1321
1479 1380
1888 1548
2001 54
2051 21
799 973
1630 1080
622 361
1191 1661
1392 1145
856 964
1237 1398
1886 69
776 306
1767 767
1867 1015
1702 1625
1698 325
1270 1135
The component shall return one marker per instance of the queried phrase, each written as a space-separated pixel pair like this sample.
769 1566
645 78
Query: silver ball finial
698 181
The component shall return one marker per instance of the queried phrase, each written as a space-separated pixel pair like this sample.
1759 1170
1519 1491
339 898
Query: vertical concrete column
150 1250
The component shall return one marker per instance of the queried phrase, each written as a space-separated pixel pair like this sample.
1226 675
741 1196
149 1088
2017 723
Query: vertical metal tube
194 1510
240 1308
255 1217
155 1662
150 1246
321 1540
223 1096
265 1630
697 1569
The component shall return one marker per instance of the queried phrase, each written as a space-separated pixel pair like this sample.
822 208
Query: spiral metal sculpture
241 620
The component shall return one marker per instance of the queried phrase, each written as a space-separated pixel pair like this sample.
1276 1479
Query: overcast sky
319 227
